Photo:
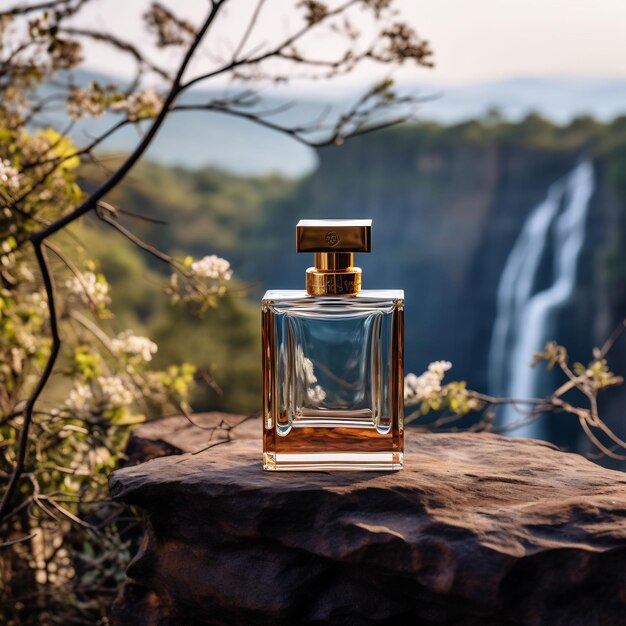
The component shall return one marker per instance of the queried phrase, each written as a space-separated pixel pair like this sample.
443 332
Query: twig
145 218
251 24
255 60
42 6
613 337
118 43
607 451
6 544
105 217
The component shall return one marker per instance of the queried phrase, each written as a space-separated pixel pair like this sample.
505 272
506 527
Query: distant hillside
557 98
199 139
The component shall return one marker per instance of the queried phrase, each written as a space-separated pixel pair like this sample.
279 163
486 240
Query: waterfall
526 312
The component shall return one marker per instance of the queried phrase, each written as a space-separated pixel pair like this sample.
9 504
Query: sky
494 39
477 41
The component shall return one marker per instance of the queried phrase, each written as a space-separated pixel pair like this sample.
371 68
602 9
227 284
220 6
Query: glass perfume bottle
333 361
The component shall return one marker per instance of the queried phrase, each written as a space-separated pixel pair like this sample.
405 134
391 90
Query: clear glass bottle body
333 381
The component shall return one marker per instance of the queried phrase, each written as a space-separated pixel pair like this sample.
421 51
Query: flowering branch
41 383
428 392
40 236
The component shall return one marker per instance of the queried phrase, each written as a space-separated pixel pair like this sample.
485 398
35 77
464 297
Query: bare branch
119 44
604 449
139 150
248 32
24 9
6 544
610 342
254 60
105 216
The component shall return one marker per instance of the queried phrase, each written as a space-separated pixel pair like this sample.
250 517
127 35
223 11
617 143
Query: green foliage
105 383
223 342
553 354
597 374
63 541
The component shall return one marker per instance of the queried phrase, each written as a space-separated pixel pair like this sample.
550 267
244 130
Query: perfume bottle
333 361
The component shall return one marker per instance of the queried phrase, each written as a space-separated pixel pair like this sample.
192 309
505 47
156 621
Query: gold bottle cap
333 243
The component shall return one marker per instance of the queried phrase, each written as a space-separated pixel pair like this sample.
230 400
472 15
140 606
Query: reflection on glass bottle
332 361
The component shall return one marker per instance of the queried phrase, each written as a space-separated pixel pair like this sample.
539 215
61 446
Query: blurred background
501 210
498 205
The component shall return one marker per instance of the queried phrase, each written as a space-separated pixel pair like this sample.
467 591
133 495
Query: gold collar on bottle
333 243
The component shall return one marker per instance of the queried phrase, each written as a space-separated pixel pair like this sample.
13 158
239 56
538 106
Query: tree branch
39 237
271 53
41 383
139 150
251 24
42 6
118 43
105 217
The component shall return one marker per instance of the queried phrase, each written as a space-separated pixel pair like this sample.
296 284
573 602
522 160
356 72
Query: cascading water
526 312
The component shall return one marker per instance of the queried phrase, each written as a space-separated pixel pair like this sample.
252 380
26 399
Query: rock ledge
478 529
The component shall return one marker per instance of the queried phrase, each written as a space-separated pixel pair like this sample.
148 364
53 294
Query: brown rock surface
478 529
177 434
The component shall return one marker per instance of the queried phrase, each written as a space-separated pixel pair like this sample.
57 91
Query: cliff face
604 287
447 209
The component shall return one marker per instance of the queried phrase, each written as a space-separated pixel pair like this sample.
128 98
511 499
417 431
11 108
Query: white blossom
88 289
26 340
81 102
9 176
418 388
309 371
112 392
116 393
439 368
306 370
140 104
80 399
37 300
212 267
426 385
126 343
98 456
8 259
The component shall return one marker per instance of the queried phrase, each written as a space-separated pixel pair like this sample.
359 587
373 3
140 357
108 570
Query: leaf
129 419
62 147
88 550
